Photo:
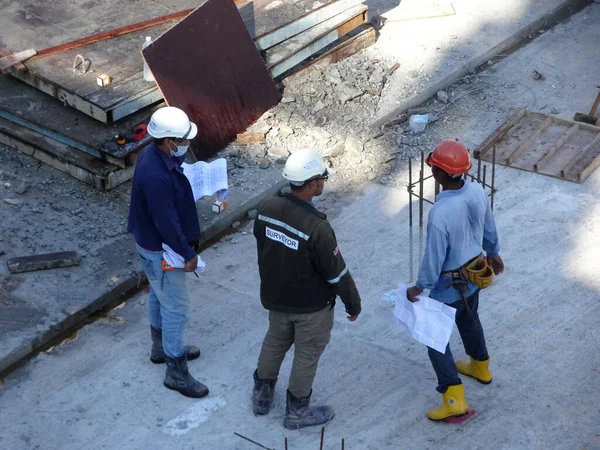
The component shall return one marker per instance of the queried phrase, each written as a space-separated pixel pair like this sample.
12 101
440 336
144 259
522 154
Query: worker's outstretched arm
330 264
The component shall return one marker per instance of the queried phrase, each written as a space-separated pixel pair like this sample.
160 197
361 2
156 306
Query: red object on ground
461 419
140 132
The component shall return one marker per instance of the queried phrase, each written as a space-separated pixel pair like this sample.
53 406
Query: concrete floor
100 391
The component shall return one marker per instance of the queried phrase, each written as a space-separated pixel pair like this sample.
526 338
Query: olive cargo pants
309 333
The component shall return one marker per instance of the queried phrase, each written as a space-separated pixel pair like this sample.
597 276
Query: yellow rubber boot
476 369
454 404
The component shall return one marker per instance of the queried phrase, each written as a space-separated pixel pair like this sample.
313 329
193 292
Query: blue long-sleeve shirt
162 208
460 225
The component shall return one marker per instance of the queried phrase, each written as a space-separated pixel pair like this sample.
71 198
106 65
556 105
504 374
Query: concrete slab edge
548 21
119 293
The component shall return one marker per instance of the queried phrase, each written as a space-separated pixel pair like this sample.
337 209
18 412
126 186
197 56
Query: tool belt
477 271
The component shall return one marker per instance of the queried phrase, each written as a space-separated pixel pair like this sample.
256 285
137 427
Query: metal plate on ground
40 24
545 144
223 84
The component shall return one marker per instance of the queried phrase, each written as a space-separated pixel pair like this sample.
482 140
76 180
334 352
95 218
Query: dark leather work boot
298 413
262 395
157 354
178 379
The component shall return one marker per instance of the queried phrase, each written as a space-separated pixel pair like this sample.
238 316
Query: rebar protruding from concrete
254 442
343 444
479 169
484 176
322 437
493 175
421 175
410 195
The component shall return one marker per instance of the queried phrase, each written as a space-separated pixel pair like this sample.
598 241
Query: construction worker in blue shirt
460 225
163 211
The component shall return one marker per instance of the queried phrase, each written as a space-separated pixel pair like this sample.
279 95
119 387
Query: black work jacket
301 267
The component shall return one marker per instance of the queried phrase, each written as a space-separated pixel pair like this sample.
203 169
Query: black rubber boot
157 354
178 378
262 395
299 415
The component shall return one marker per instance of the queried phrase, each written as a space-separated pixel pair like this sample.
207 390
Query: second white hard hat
303 165
171 122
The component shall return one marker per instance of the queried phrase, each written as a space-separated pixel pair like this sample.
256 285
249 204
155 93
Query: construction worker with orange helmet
460 228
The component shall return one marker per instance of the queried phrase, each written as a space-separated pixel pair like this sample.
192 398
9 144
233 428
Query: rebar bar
421 175
484 174
322 437
410 212
493 175
254 442
479 169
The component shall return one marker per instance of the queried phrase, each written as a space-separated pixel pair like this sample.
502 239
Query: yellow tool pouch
479 272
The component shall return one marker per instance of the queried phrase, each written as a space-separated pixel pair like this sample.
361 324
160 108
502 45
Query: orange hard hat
450 156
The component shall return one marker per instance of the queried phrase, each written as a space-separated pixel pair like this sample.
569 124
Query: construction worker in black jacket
302 272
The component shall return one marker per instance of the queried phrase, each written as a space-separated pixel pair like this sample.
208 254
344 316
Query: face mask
181 149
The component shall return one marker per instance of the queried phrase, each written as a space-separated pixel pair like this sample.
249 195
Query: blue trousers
168 303
471 333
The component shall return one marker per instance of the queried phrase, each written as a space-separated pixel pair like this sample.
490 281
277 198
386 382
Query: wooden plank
112 33
15 58
552 151
590 168
49 116
251 138
18 66
521 149
595 105
340 51
500 132
291 47
571 154
567 168
315 46
43 262
303 23
216 92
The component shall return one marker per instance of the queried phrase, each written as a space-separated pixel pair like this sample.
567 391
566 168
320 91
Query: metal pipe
410 212
411 253
493 174
484 172
421 175
250 440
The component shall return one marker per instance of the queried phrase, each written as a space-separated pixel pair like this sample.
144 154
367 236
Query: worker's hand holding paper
427 321
177 261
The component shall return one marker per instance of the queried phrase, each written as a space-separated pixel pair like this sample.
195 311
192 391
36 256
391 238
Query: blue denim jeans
168 303
471 333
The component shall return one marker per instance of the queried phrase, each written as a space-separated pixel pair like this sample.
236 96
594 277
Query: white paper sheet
176 260
428 321
207 178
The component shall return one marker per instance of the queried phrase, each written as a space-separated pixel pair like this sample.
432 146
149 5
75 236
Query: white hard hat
171 122
303 165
